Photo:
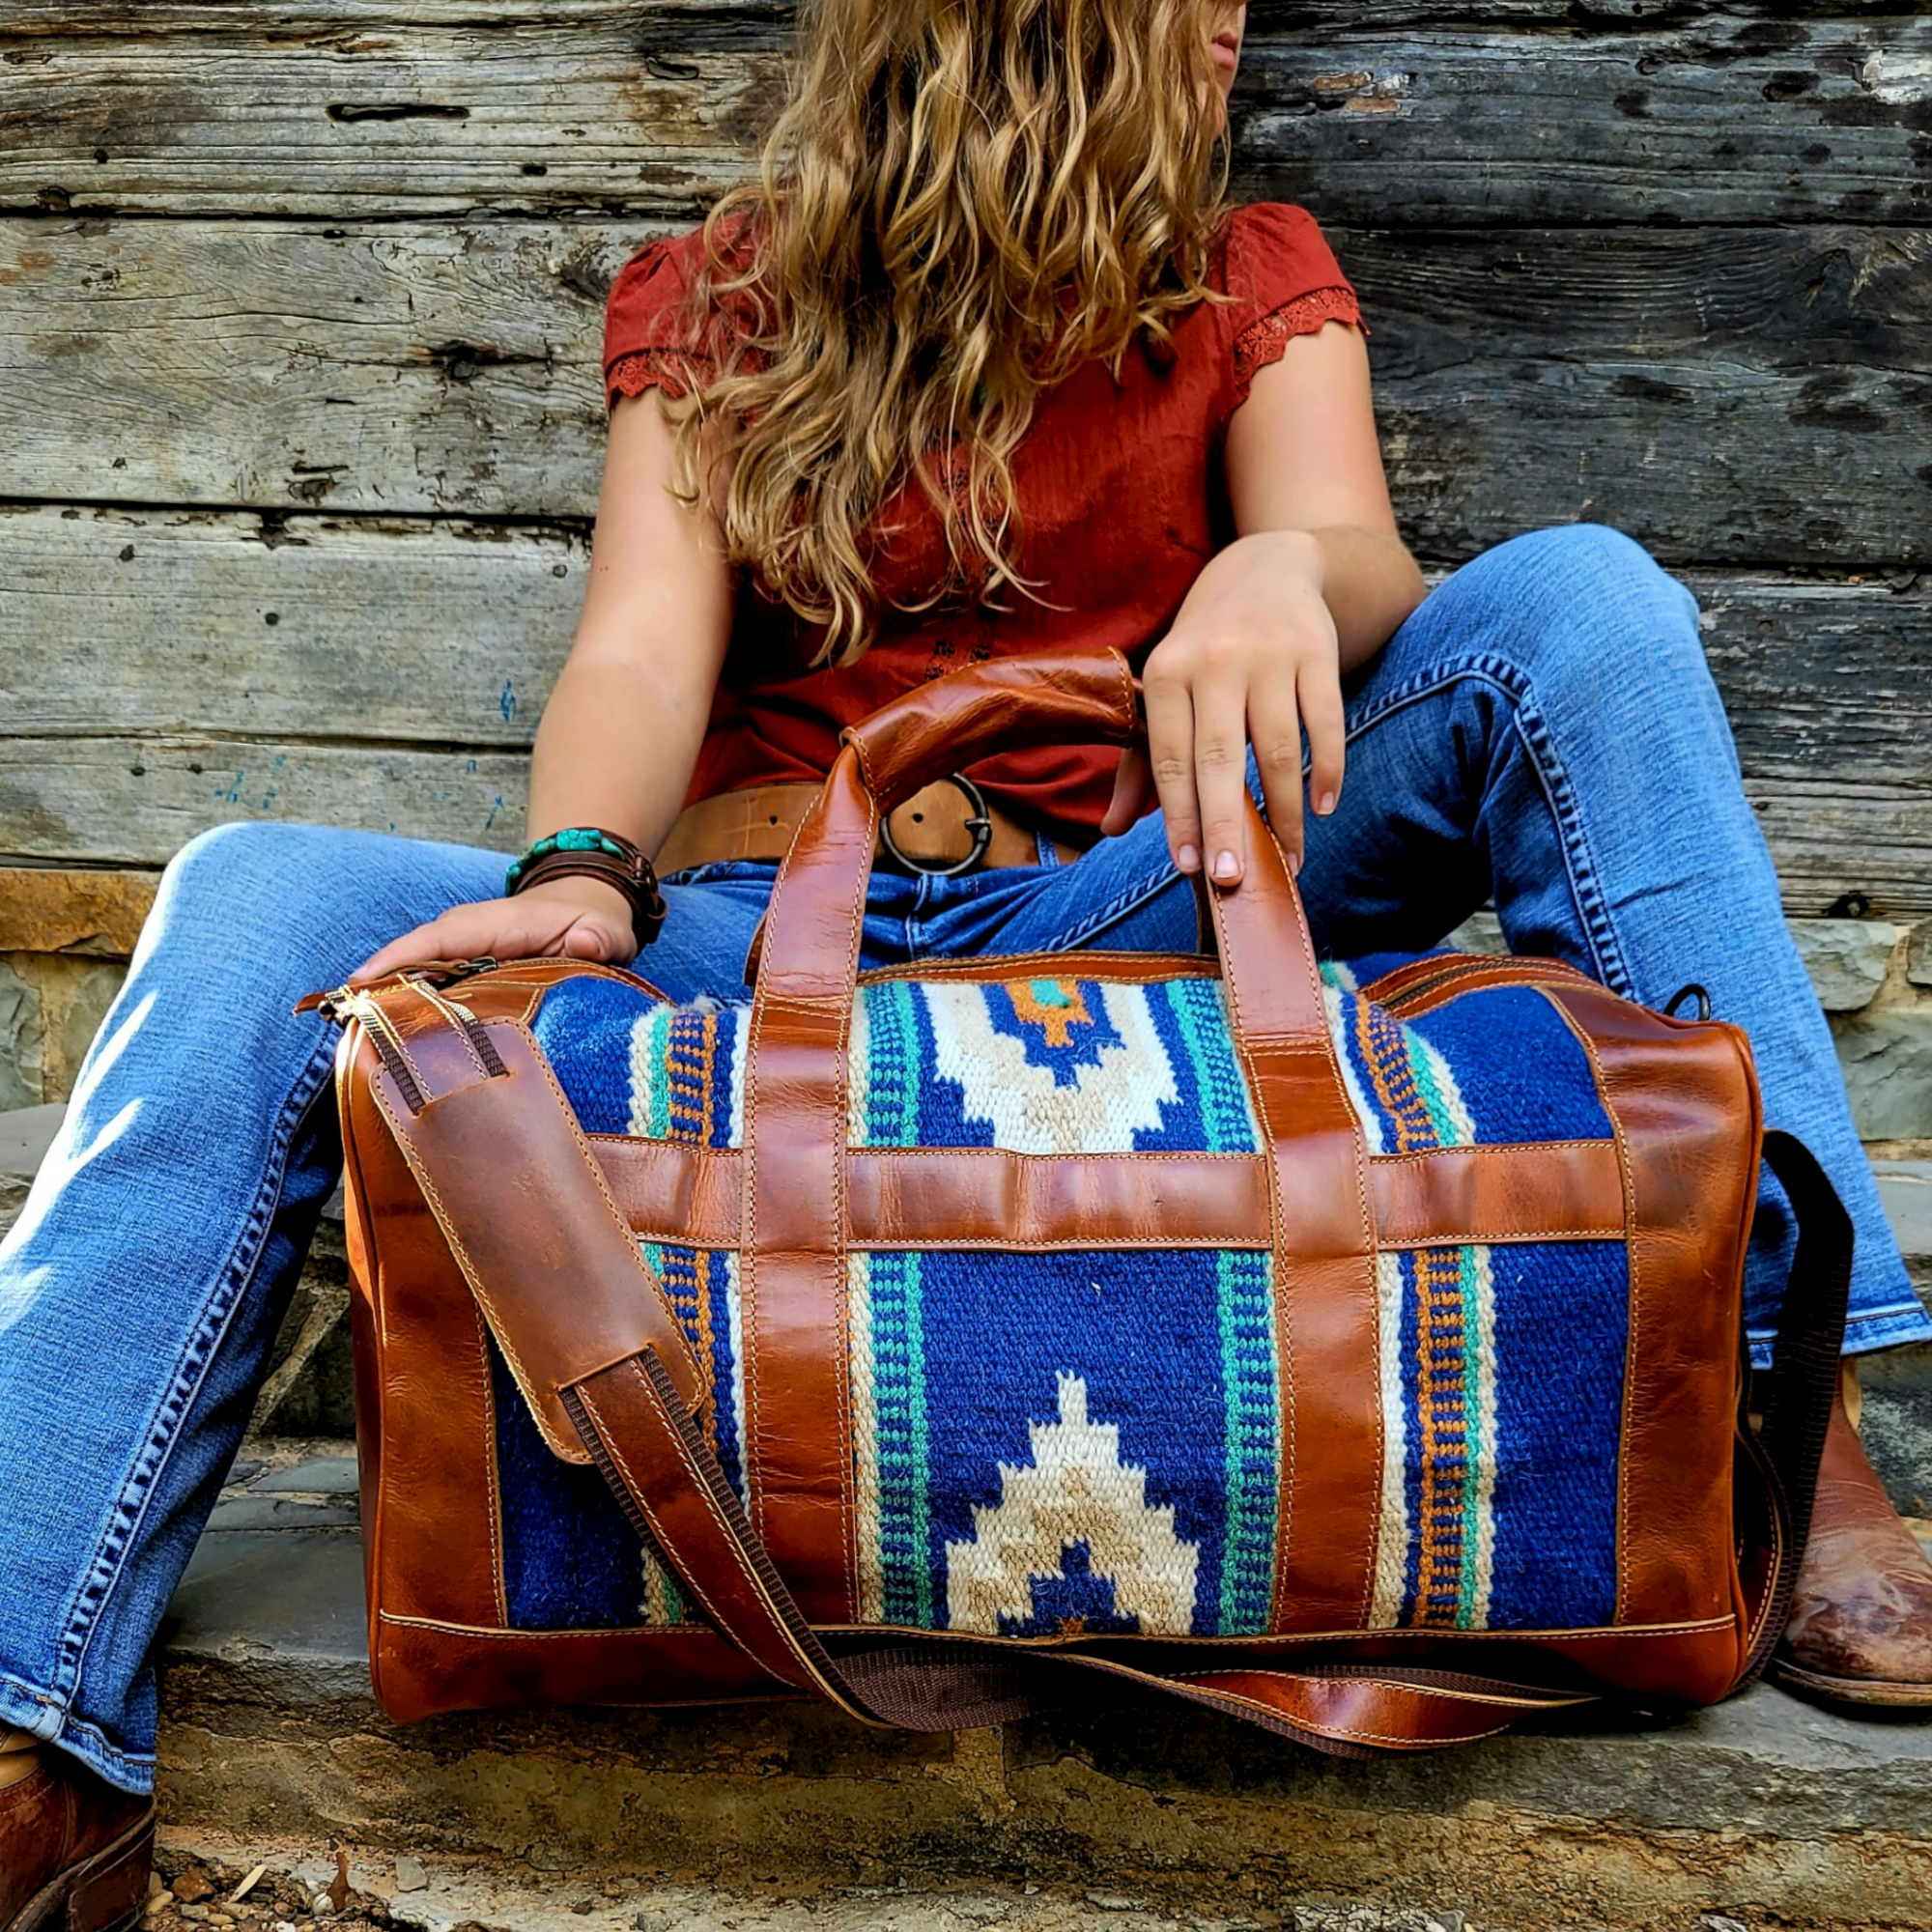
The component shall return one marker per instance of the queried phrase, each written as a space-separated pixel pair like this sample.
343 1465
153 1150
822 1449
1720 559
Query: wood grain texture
1266 17
1726 395
409 664
364 632
1467 116
1757 396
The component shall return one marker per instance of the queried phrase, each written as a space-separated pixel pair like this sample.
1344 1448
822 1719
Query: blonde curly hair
960 202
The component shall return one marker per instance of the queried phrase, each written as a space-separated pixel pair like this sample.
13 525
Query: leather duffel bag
1356 1350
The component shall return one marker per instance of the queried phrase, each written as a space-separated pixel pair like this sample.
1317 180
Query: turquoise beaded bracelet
586 851
574 839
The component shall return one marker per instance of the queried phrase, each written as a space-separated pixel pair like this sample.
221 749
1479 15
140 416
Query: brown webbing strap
1806 1366
480 1128
630 1413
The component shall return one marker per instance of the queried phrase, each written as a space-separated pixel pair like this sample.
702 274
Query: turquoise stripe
1423 1069
1245 1304
900 1412
658 1055
1474 1425
893 1073
1226 1123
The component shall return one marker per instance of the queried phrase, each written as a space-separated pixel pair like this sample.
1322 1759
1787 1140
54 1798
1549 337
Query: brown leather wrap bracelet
614 859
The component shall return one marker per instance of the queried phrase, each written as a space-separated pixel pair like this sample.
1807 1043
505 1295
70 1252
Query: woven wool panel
1093 1441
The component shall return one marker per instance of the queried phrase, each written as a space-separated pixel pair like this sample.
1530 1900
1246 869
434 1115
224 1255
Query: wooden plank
135 801
1826 684
1264 16
1725 118
432 634
1730 395
437 368
1743 116
409 661
447 634
1727 395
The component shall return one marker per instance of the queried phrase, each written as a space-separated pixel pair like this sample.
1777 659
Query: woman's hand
567 919
1253 656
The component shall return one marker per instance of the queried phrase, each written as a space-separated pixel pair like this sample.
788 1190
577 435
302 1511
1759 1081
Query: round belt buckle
976 823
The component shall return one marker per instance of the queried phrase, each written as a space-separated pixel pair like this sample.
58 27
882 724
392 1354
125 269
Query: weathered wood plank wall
298 411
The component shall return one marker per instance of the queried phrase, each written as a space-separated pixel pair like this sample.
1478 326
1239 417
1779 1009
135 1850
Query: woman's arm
620 734
1314 586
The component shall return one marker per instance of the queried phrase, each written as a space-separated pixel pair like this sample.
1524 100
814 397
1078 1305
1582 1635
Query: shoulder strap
476 1110
1806 1367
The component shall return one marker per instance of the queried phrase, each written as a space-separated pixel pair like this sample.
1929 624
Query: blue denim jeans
1542 731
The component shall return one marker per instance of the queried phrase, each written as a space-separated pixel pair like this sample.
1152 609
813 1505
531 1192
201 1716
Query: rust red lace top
1120 491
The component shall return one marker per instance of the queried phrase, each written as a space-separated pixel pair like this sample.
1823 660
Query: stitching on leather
1450 1154
1128 709
1441 1690
492 1476
668 1543
379 1017
1430 1634
402 1622
1496 1238
1153 1159
614 1448
655 1287
1634 1298
456 1025
445 1223
1127 968
857 746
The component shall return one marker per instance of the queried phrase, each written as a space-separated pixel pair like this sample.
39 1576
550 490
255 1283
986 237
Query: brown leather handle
793 1256
1070 698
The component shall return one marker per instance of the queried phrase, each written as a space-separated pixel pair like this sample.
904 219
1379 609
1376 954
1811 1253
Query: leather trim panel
1684 1101
985 1197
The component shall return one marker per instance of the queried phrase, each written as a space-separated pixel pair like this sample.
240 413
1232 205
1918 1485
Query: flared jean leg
141 1289
1545 730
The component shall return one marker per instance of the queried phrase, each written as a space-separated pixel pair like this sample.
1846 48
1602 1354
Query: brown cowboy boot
74 1852
1861 1627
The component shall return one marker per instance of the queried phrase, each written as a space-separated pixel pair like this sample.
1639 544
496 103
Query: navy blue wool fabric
1523 1074
571 1561
1562 1327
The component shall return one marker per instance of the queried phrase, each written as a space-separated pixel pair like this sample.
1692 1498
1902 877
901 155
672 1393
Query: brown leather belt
947 829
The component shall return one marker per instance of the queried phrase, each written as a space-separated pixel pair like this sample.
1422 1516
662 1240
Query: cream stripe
1485 1452
655 1611
1338 1031
865 1441
859 1074
741 1038
1392 1541
646 1044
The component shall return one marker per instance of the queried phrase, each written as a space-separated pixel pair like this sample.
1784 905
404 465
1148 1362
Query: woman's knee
1580 608
253 862
262 885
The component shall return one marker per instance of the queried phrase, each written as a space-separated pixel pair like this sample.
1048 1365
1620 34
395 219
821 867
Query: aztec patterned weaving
1049 1442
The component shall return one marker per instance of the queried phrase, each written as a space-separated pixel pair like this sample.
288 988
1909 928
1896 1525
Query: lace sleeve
1263 339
